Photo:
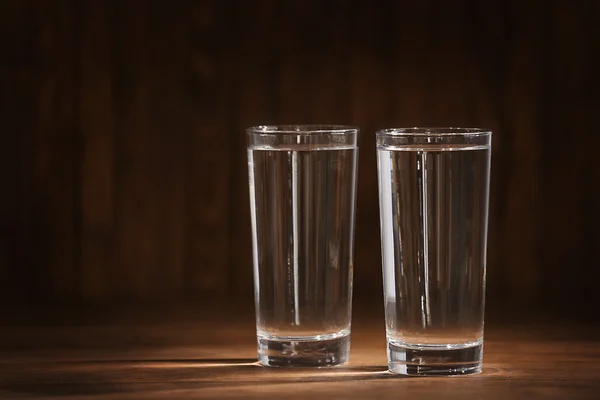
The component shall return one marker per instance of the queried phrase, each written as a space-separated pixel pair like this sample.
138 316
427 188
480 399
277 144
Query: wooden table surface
216 359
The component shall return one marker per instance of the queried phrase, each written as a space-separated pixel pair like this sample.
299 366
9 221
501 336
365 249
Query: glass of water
433 192
302 199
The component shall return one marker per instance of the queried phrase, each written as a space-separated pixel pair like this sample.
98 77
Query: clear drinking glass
434 191
302 199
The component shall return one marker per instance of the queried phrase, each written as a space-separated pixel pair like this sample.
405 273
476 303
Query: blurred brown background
122 159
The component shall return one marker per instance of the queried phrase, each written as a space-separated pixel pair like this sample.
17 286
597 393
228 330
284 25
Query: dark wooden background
122 160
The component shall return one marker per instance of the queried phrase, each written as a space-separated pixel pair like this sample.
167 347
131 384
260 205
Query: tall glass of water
302 199
434 191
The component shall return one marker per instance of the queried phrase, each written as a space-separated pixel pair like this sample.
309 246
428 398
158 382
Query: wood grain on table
178 360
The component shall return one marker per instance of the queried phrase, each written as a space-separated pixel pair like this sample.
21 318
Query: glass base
321 351
428 360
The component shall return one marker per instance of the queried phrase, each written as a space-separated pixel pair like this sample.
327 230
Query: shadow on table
148 376
101 377
241 372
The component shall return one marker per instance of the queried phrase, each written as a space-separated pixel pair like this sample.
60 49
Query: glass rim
309 129
433 131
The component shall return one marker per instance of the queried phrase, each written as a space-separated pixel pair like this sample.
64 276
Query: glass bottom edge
291 352
434 360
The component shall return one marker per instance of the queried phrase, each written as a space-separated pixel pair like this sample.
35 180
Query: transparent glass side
434 193
302 194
